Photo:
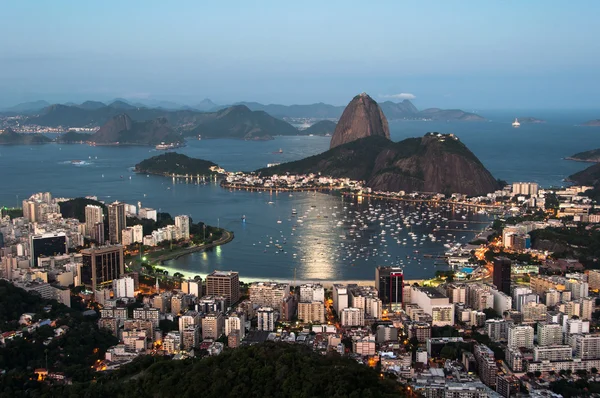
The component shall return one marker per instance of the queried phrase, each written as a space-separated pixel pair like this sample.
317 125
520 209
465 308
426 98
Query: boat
516 123
279 152
244 218
78 162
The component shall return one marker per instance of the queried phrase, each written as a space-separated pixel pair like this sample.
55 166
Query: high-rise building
116 221
502 269
93 215
352 316
97 233
310 292
594 279
340 297
101 265
213 325
138 234
123 287
587 346
587 307
389 282
486 365
190 337
235 323
497 329
46 245
182 223
266 319
550 334
193 287
506 385
520 336
224 283
268 294
311 312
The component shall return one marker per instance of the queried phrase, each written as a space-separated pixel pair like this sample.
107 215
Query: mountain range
393 110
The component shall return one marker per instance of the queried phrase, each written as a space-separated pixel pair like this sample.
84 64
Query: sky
535 54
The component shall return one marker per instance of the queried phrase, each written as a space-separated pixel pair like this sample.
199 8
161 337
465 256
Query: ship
516 123
279 152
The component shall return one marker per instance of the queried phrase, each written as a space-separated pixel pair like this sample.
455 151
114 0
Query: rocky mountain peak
361 118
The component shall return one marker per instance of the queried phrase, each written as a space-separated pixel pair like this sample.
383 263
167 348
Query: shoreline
581 160
167 256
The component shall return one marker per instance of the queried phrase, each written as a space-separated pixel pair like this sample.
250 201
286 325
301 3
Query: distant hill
449 115
174 163
592 123
119 104
315 111
241 123
592 156
10 137
392 110
206 105
73 137
322 127
92 105
122 130
399 110
433 163
27 107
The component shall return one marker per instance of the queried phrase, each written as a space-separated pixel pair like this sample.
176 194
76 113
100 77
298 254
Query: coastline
582 160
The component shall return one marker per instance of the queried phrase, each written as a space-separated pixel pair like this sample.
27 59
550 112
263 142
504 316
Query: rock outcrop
362 118
433 163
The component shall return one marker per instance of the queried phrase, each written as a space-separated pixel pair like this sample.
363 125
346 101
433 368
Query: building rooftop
431 292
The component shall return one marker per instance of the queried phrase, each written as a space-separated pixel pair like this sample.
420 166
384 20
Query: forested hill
262 370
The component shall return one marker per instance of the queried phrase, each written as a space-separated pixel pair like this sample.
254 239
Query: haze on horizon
467 54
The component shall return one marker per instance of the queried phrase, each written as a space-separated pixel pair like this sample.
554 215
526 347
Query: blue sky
468 54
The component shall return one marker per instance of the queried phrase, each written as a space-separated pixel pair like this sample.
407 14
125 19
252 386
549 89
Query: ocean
324 245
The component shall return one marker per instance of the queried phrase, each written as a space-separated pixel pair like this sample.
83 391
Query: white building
433 303
587 346
312 292
236 323
552 353
550 334
124 287
148 213
182 223
138 234
520 336
193 287
352 317
340 297
502 301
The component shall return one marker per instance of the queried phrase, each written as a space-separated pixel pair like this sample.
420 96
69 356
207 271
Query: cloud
402 96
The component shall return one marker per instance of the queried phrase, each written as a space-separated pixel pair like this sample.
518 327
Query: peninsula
592 156
10 137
